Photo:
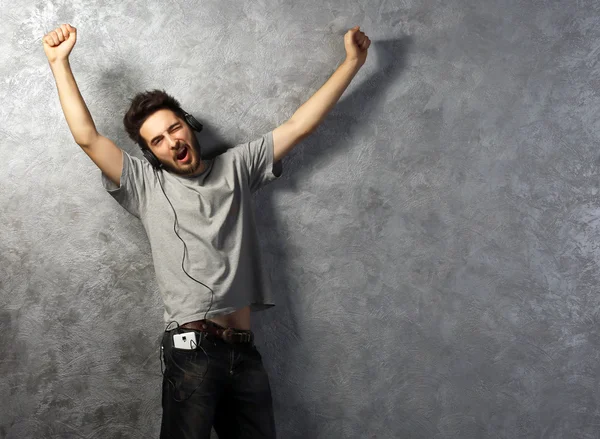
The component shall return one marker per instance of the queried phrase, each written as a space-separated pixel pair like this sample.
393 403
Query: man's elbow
302 129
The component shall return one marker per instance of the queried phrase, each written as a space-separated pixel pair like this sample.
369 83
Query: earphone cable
205 314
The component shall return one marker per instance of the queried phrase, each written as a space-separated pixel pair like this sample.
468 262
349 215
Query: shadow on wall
279 330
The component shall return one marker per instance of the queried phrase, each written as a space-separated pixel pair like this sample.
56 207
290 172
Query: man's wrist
353 63
59 63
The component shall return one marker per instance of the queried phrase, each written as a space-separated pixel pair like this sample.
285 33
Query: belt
229 335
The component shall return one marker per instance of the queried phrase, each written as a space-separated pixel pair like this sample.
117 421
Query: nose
171 141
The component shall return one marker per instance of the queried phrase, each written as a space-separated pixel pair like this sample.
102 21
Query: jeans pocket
187 371
184 361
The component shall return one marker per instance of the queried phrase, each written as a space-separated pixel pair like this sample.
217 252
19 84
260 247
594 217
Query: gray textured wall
433 246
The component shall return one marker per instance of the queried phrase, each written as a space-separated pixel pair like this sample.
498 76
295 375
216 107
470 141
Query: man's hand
59 42
357 44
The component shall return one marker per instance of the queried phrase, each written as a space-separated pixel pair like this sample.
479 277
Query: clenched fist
59 42
357 44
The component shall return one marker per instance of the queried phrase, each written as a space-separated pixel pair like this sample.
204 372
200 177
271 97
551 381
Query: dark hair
143 105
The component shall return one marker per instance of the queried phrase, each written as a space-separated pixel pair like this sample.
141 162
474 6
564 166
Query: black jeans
227 388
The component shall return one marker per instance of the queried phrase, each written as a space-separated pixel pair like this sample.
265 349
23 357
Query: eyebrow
168 129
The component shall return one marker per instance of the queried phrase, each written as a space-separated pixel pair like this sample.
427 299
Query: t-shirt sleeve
134 177
257 156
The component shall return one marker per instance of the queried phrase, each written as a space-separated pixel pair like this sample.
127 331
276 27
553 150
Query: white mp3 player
185 340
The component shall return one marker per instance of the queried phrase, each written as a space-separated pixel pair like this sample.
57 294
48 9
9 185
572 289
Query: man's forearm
312 112
76 112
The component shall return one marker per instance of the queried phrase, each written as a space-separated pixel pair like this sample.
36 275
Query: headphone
154 161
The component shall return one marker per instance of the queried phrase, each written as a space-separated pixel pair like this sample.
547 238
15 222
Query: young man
200 209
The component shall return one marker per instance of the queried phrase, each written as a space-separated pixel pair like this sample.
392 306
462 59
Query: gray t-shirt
216 220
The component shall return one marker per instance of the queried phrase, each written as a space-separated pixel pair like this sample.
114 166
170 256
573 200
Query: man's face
173 142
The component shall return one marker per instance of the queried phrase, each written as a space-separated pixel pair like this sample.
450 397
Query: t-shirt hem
221 311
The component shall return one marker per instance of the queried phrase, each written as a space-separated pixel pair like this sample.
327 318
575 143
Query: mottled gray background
433 247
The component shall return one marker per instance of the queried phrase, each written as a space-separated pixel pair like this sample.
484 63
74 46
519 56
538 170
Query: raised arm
103 152
310 114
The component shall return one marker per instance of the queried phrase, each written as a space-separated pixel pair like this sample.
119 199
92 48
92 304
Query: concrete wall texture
433 246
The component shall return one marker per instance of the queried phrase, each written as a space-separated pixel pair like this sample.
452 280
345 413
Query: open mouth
183 155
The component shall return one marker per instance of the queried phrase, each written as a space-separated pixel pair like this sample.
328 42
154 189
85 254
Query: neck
201 168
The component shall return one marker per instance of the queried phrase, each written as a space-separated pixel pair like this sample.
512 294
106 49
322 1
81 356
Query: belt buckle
227 335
